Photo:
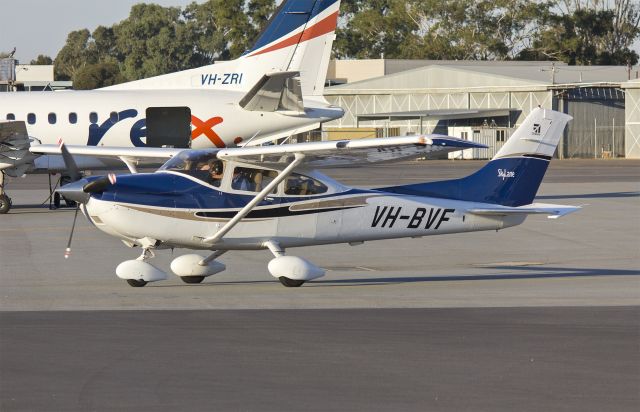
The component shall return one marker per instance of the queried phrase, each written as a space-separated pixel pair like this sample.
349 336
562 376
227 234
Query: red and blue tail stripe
289 25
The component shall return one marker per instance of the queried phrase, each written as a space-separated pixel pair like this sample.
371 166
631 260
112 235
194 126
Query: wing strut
299 157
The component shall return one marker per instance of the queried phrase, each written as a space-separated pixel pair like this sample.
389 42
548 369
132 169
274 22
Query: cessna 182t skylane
271 197
272 91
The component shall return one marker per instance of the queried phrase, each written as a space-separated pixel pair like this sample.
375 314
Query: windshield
201 164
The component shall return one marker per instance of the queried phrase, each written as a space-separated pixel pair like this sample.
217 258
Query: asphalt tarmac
544 316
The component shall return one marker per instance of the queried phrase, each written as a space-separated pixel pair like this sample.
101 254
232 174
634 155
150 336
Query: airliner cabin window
11 116
52 118
113 117
201 164
31 118
93 117
300 185
252 180
73 118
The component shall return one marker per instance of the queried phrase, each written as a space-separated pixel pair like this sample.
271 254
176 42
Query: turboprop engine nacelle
294 267
189 265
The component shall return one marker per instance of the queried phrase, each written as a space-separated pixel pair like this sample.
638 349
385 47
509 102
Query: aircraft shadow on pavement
611 195
537 272
533 272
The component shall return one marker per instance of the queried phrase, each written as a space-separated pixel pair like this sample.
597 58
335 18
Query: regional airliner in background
270 197
274 90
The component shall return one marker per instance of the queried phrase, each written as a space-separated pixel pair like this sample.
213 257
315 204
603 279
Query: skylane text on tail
272 197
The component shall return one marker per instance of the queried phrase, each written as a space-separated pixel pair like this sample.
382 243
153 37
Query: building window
500 135
464 135
113 117
31 118
93 117
11 116
53 118
73 118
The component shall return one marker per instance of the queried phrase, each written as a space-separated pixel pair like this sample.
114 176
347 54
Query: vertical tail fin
298 38
513 176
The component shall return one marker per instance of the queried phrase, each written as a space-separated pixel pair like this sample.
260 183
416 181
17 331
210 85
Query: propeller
80 190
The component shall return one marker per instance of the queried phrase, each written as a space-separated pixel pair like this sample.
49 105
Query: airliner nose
74 191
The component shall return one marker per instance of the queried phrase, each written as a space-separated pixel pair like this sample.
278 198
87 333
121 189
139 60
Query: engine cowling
294 267
188 265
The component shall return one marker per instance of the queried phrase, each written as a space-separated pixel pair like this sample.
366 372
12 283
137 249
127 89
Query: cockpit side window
252 180
202 165
300 185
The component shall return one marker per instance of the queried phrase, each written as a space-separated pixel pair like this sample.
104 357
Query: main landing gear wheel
136 283
192 279
5 204
290 283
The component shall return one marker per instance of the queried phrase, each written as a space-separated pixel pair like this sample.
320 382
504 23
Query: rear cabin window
53 118
113 117
252 180
73 118
11 116
93 117
31 118
300 185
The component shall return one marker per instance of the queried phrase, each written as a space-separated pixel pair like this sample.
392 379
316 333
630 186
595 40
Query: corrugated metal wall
598 125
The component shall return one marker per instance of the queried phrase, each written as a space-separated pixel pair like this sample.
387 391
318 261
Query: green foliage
97 75
155 40
575 31
586 34
42 60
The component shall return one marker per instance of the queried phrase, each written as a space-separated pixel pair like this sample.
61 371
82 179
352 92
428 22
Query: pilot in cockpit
215 172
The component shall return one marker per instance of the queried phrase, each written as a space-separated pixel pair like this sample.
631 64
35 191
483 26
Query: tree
42 60
588 32
97 75
74 55
437 29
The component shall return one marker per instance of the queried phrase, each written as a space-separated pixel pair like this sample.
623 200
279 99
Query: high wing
351 152
130 156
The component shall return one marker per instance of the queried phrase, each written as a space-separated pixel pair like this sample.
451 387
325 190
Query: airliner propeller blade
69 162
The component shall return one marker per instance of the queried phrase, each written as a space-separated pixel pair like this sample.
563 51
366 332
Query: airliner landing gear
64 180
5 201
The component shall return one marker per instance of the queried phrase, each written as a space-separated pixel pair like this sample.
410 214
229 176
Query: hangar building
486 101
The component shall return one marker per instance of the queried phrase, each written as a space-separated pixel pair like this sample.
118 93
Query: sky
41 26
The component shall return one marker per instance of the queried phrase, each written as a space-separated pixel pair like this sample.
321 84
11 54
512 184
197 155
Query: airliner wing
351 152
14 144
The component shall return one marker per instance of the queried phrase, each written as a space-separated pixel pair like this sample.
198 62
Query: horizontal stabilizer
554 211
275 92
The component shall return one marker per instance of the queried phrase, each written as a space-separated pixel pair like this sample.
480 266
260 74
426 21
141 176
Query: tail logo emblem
506 174
536 129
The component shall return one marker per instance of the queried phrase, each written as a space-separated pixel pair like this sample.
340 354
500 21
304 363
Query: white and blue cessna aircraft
271 197
273 91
